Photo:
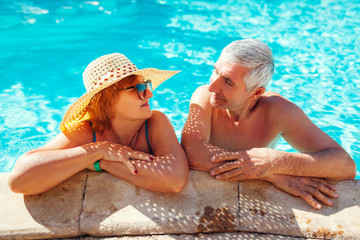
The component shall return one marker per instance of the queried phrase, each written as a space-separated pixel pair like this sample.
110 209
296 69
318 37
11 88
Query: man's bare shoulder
280 108
274 99
201 96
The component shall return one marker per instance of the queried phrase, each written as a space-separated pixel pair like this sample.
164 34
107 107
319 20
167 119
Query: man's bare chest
241 136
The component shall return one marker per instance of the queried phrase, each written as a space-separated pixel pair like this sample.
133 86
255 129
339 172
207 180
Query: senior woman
110 128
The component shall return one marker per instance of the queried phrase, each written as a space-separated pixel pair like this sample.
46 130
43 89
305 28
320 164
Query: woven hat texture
104 72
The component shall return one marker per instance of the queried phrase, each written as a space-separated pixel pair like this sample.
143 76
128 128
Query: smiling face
227 85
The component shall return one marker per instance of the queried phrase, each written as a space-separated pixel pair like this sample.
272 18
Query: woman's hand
91 167
119 153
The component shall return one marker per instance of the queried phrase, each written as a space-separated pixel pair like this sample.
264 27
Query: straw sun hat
104 72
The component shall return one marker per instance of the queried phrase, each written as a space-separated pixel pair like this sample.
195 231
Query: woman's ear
258 92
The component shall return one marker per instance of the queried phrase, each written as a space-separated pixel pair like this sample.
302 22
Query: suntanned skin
229 129
122 150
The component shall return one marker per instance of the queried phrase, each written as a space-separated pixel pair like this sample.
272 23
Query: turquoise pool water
45 46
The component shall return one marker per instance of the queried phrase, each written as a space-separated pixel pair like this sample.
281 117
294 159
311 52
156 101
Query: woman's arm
67 154
168 172
40 170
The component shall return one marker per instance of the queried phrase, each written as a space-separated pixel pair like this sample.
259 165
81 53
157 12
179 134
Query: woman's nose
148 93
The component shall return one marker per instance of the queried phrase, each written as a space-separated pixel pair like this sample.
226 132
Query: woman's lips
145 104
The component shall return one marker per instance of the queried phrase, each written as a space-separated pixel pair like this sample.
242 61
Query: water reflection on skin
294 185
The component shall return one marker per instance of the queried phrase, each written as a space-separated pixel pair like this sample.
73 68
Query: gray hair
255 55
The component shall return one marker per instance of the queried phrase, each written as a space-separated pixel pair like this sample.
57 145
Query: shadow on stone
265 209
114 207
58 210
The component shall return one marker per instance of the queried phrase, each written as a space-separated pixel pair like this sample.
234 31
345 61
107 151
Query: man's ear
258 92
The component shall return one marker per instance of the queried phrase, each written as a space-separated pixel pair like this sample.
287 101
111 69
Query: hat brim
77 111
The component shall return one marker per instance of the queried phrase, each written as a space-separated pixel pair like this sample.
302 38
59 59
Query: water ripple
316 47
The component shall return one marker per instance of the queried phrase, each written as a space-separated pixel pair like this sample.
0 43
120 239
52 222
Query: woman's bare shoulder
77 135
158 118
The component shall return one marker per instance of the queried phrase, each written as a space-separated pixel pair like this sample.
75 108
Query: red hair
100 108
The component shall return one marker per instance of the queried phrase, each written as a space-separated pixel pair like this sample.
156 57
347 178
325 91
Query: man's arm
319 155
313 190
197 130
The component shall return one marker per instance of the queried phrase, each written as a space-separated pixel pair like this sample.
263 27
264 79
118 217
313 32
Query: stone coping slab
208 236
124 209
100 205
55 213
264 209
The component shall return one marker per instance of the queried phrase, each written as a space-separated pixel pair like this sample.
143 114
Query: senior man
234 123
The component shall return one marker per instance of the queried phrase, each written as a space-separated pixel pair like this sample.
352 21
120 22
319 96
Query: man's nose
214 85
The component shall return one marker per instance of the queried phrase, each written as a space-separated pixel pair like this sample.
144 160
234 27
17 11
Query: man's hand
252 164
309 189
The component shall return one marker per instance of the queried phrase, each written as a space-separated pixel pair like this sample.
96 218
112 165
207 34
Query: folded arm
67 154
196 133
40 170
168 172
319 155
